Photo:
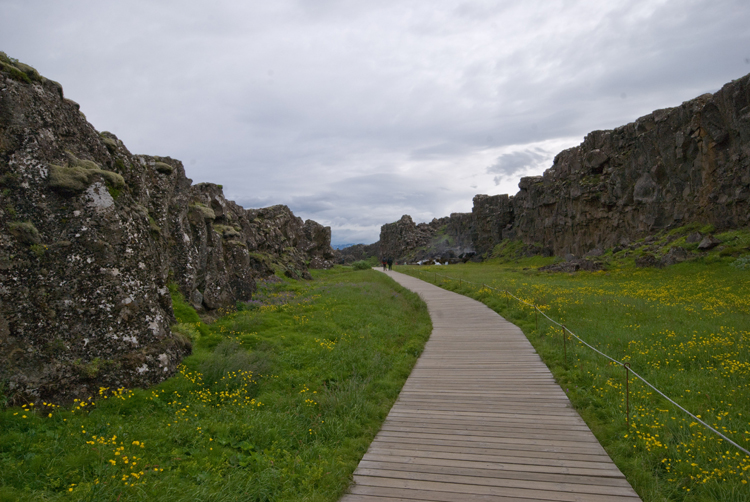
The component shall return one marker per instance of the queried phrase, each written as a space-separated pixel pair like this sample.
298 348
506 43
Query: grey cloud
513 164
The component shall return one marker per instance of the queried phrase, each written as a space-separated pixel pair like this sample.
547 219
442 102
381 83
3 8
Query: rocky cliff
350 254
688 164
444 239
673 167
90 236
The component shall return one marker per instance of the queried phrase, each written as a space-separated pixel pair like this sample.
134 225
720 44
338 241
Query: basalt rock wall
675 166
90 237
672 167
443 239
357 252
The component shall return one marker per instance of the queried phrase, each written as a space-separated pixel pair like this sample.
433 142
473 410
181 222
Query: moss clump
163 167
153 225
110 144
227 232
72 179
206 212
38 249
24 231
19 71
78 178
75 161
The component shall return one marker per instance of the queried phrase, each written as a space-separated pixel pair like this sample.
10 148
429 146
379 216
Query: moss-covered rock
163 167
78 178
204 211
25 232
85 303
69 179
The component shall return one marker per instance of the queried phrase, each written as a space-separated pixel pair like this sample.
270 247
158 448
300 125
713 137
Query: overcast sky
354 113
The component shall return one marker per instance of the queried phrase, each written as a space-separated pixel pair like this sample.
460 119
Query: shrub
742 263
361 265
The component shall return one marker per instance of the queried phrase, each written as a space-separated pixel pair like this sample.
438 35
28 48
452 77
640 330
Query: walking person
390 263
385 263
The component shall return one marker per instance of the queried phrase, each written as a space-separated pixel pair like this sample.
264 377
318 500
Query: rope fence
626 366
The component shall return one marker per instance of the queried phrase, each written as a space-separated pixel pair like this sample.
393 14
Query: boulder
708 242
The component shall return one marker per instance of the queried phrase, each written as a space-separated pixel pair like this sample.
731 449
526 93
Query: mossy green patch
204 211
78 178
163 168
24 231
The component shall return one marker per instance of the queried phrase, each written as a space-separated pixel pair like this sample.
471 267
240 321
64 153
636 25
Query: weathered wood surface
481 419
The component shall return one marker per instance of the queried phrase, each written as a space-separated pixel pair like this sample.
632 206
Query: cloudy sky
354 113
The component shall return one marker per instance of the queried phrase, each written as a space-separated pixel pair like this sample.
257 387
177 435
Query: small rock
694 237
708 242
647 260
676 254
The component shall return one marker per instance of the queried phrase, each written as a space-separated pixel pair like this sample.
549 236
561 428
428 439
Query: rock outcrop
673 167
446 239
90 236
357 252
688 164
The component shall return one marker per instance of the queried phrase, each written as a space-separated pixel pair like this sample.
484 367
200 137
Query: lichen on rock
90 235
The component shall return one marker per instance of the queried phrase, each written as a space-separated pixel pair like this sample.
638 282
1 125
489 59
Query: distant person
385 264
390 263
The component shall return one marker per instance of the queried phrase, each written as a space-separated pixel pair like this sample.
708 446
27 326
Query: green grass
684 328
279 401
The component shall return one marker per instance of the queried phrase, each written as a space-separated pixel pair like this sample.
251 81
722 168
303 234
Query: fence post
536 311
565 346
627 394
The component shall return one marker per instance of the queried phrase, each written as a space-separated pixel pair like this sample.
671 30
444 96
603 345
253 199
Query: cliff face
90 235
688 164
443 239
672 167
357 252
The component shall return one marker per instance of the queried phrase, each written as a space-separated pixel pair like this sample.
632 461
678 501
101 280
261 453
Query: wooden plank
598 469
481 418
473 469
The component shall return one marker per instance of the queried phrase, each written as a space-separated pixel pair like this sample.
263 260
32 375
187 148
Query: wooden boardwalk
481 418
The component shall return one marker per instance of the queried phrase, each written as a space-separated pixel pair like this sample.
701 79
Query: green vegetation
17 70
78 177
80 173
203 211
279 401
24 231
361 265
163 168
684 328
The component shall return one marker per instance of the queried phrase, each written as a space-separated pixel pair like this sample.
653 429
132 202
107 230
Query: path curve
480 418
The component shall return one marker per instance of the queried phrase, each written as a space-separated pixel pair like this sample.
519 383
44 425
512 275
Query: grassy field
684 328
279 401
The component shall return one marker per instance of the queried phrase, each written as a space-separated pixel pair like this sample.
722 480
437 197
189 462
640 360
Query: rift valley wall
90 236
444 239
675 166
